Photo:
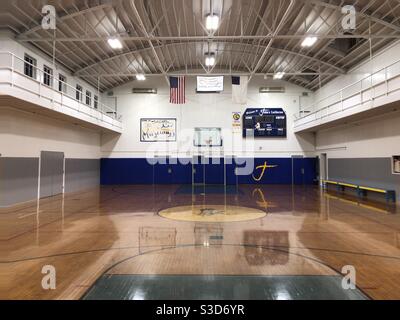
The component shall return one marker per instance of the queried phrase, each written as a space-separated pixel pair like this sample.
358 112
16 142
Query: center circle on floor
212 213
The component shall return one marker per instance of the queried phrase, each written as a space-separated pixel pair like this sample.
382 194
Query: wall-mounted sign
158 130
236 122
396 164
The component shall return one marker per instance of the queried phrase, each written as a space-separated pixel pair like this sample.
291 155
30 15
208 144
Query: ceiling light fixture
212 22
309 42
115 43
140 77
279 75
210 60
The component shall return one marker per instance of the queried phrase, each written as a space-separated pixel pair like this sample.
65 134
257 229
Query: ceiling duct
144 90
272 89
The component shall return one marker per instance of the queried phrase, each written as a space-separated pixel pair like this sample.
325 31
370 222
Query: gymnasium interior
199 149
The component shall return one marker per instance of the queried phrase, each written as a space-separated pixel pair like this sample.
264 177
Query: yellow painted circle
212 213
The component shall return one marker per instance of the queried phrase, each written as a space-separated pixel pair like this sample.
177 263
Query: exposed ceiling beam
214 38
164 39
310 58
360 14
65 16
143 27
203 73
286 15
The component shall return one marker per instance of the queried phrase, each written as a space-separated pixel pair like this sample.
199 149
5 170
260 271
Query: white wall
378 137
361 152
24 135
203 110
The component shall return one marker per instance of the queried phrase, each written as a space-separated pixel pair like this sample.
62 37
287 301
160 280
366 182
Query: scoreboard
264 122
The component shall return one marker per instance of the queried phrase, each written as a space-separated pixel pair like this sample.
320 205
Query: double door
303 170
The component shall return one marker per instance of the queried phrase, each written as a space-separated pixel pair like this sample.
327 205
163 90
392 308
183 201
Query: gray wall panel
374 172
18 180
81 174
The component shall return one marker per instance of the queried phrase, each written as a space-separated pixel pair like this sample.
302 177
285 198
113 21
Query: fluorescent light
210 59
212 22
279 75
115 43
309 42
140 77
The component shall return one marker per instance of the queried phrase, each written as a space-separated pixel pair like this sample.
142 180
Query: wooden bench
362 191
340 186
390 195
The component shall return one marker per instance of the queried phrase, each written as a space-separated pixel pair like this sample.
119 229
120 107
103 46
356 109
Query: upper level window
62 83
88 98
96 102
47 76
30 66
79 90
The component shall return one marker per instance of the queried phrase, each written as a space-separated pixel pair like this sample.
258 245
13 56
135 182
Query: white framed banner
210 84
158 129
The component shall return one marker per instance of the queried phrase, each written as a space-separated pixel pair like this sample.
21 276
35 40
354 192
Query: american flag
177 90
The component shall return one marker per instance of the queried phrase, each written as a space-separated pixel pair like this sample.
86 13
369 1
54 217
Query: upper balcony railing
18 73
369 88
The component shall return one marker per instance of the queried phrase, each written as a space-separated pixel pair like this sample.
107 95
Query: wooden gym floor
117 230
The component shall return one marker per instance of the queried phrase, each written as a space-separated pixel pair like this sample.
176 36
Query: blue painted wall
140 171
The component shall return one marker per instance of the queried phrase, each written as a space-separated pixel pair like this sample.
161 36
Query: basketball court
199 150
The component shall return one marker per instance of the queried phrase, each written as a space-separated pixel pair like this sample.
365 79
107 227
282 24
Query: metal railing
45 85
353 95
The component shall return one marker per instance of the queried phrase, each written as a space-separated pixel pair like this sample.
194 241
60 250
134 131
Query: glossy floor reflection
118 231
132 287
208 189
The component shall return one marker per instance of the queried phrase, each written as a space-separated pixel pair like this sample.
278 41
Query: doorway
51 174
323 167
